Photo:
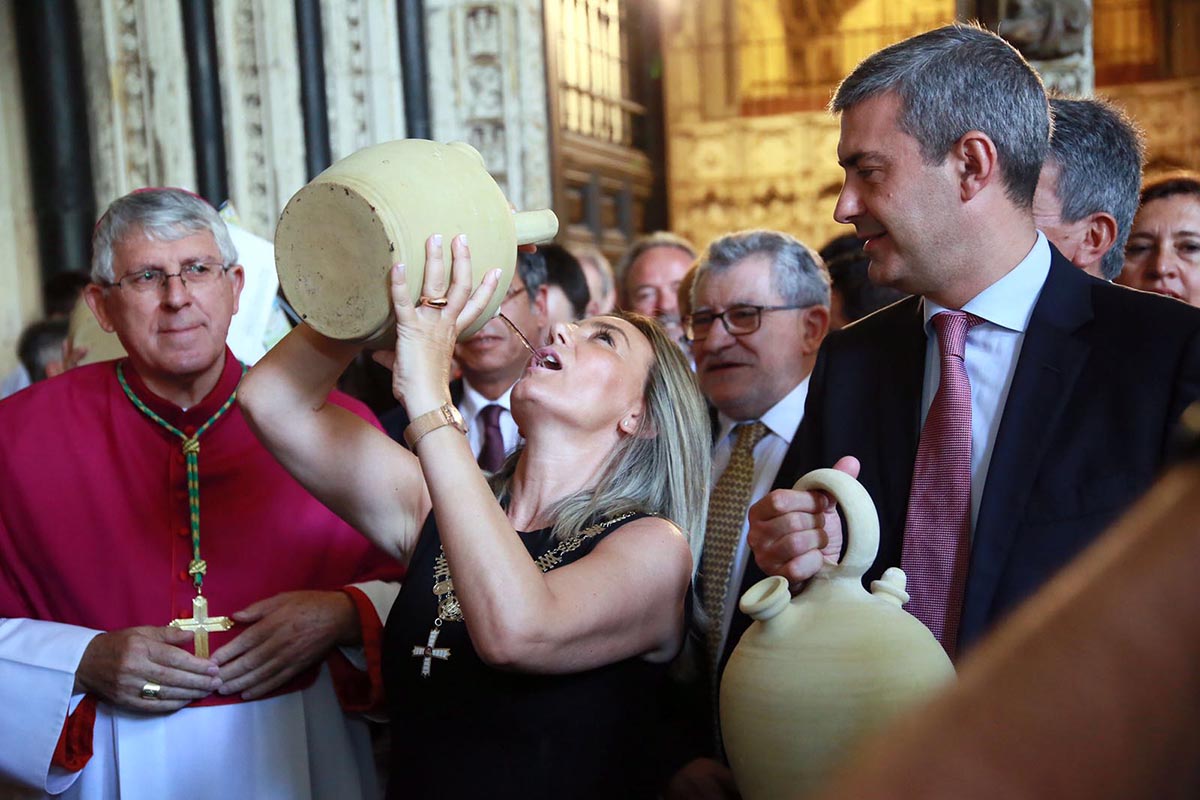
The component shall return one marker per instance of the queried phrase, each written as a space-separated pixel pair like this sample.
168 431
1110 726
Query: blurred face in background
1163 253
601 302
494 355
652 286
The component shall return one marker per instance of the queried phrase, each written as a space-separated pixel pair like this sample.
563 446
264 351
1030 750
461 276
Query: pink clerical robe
94 518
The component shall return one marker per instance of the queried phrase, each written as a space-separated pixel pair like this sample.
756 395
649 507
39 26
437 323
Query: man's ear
541 308
814 323
1098 237
94 296
237 277
975 162
541 300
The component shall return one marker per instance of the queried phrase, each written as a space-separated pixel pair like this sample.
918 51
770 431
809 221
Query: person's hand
794 534
426 331
285 635
702 779
117 665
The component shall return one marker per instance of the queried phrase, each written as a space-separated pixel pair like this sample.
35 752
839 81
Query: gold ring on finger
432 302
151 691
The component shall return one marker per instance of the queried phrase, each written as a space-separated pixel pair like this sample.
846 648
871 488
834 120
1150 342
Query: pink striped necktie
937 534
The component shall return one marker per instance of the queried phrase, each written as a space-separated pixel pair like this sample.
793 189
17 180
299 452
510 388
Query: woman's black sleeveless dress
468 730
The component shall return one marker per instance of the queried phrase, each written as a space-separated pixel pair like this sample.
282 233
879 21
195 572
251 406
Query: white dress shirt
993 347
782 420
472 403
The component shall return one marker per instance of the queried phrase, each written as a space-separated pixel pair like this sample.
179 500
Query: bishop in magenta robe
95 537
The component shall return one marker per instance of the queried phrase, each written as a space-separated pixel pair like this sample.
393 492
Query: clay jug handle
862 521
535 227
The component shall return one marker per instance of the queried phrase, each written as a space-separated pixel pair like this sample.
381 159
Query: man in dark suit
760 308
1003 416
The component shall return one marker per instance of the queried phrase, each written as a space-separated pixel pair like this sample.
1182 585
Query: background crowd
1000 353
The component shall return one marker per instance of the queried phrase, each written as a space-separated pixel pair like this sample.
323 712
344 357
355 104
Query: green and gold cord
191 451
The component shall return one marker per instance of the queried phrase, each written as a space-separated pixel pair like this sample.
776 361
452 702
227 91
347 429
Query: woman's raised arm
349 465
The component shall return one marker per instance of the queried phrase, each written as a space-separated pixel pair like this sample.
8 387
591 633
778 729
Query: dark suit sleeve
1187 388
394 422
807 448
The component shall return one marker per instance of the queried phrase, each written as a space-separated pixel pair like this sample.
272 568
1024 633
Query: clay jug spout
535 227
766 599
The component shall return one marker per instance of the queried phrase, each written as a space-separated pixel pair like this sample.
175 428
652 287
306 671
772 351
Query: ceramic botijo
83 331
339 236
816 672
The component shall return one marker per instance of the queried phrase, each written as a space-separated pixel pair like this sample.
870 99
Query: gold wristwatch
431 421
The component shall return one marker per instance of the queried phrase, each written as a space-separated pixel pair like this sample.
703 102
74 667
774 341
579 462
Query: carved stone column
1056 37
135 70
487 86
362 73
20 284
260 90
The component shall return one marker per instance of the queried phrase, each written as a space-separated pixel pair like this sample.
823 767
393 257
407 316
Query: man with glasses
491 362
760 309
172 601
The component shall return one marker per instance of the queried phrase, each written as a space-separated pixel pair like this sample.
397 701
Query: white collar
1009 301
473 402
781 419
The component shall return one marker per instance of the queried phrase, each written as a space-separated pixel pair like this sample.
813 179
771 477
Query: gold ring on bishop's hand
151 691
433 302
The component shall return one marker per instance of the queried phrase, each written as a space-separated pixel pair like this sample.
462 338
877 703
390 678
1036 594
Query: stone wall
732 164
487 86
20 285
487 73
1169 113
777 171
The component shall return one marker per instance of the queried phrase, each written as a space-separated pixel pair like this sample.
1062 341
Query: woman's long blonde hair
663 468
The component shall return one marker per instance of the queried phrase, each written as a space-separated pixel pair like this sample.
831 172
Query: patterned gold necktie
726 516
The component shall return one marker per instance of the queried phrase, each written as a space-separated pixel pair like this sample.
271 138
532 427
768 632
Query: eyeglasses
738 320
153 280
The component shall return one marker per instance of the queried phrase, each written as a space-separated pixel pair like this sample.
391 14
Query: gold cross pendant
201 623
429 652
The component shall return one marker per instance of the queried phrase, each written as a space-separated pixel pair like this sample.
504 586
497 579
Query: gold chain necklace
449 609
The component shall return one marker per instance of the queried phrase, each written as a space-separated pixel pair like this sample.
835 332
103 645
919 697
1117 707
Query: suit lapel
1051 358
888 472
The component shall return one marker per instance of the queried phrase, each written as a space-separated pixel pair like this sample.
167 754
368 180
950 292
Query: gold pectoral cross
201 623
429 652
